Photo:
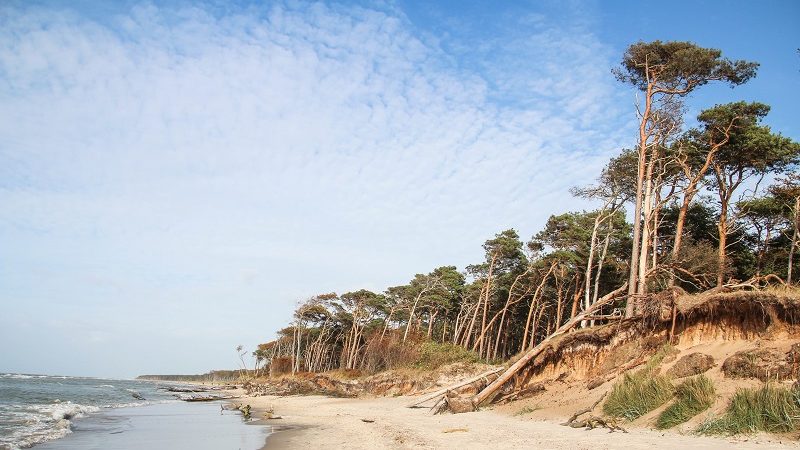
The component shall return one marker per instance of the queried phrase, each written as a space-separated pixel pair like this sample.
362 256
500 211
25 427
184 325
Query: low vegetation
693 396
638 394
433 355
771 408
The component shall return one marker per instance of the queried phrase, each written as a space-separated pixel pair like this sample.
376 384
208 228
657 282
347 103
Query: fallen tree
492 388
444 391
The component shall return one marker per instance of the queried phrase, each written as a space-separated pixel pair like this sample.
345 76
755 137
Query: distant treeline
213 376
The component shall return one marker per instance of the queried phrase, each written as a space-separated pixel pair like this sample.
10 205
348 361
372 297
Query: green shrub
433 355
694 396
638 394
769 408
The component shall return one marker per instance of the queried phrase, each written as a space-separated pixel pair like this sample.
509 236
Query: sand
378 423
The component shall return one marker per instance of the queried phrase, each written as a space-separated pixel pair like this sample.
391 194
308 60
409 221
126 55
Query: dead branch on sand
584 411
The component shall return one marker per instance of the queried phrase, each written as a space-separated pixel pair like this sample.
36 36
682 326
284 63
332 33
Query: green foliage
680 66
433 355
568 235
701 233
751 148
640 392
770 408
693 396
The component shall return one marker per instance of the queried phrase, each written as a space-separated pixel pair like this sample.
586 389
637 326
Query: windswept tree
764 217
356 311
695 152
614 188
504 256
571 239
664 72
787 192
751 152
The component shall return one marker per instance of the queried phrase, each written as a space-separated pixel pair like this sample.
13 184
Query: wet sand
174 426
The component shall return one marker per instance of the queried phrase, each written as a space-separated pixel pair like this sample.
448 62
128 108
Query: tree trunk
489 391
606 242
481 339
411 314
676 245
633 277
722 229
647 230
589 261
794 240
431 318
533 304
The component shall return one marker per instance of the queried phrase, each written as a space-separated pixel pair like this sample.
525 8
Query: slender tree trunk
509 302
633 277
480 342
679 225
560 304
656 218
534 301
536 322
387 321
722 229
600 269
413 309
431 318
794 241
576 298
474 319
589 261
647 230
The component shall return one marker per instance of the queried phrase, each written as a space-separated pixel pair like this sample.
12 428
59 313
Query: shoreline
172 424
175 425
385 423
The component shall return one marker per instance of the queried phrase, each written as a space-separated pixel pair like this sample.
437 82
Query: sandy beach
385 423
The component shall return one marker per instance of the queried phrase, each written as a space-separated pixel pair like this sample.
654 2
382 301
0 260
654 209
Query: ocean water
40 408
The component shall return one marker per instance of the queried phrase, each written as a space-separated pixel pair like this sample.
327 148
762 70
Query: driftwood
584 410
458 405
440 406
490 390
185 389
598 422
442 392
209 398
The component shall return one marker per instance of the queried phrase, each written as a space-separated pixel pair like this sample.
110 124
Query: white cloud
168 159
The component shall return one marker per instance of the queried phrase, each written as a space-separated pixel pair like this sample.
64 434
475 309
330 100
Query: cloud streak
165 159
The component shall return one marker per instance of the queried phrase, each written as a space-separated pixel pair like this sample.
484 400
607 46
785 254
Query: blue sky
174 177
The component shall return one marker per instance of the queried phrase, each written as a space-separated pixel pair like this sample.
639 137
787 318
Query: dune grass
770 408
693 396
638 394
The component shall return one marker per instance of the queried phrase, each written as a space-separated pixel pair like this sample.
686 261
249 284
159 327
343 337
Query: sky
175 176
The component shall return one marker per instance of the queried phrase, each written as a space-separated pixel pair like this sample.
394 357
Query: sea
62 412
